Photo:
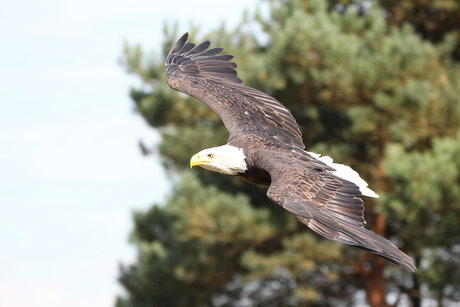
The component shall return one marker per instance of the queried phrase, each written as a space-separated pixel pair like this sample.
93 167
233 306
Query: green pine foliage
188 246
366 91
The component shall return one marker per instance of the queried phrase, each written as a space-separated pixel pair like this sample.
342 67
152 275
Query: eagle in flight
265 147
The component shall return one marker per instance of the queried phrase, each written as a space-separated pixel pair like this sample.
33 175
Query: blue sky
70 169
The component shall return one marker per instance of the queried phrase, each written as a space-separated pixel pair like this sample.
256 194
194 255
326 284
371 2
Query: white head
225 159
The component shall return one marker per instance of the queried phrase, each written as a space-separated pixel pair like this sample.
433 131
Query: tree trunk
415 296
439 298
374 281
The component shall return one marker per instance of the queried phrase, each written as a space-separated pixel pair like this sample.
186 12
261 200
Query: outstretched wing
330 206
204 74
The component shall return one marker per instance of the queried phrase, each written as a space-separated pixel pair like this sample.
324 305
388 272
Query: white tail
347 173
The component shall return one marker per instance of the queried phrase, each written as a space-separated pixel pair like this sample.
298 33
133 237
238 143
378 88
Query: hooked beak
196 160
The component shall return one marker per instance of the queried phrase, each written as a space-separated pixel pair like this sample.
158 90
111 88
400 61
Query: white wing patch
347 173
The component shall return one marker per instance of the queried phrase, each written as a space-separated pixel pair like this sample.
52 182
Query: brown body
256 176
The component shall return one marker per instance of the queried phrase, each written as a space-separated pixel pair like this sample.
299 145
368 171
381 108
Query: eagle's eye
210 156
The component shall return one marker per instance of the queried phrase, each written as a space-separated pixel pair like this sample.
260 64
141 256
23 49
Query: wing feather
330 206
187 47
210 77
211 52
199 48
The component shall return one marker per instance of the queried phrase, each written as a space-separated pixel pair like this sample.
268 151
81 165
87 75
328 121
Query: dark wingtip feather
200 48
187 47
200 62
179 44
379 245
400 258
339 228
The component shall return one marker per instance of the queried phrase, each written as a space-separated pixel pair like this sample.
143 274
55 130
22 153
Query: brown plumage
323 195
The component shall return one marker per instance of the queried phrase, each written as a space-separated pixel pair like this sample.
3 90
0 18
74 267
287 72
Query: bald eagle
265 147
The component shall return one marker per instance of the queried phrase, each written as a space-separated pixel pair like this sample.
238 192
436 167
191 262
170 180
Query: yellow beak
196 160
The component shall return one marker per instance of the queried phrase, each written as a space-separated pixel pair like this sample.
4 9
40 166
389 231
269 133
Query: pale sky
70 169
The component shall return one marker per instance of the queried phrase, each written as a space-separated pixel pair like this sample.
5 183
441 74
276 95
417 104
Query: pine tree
366 92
